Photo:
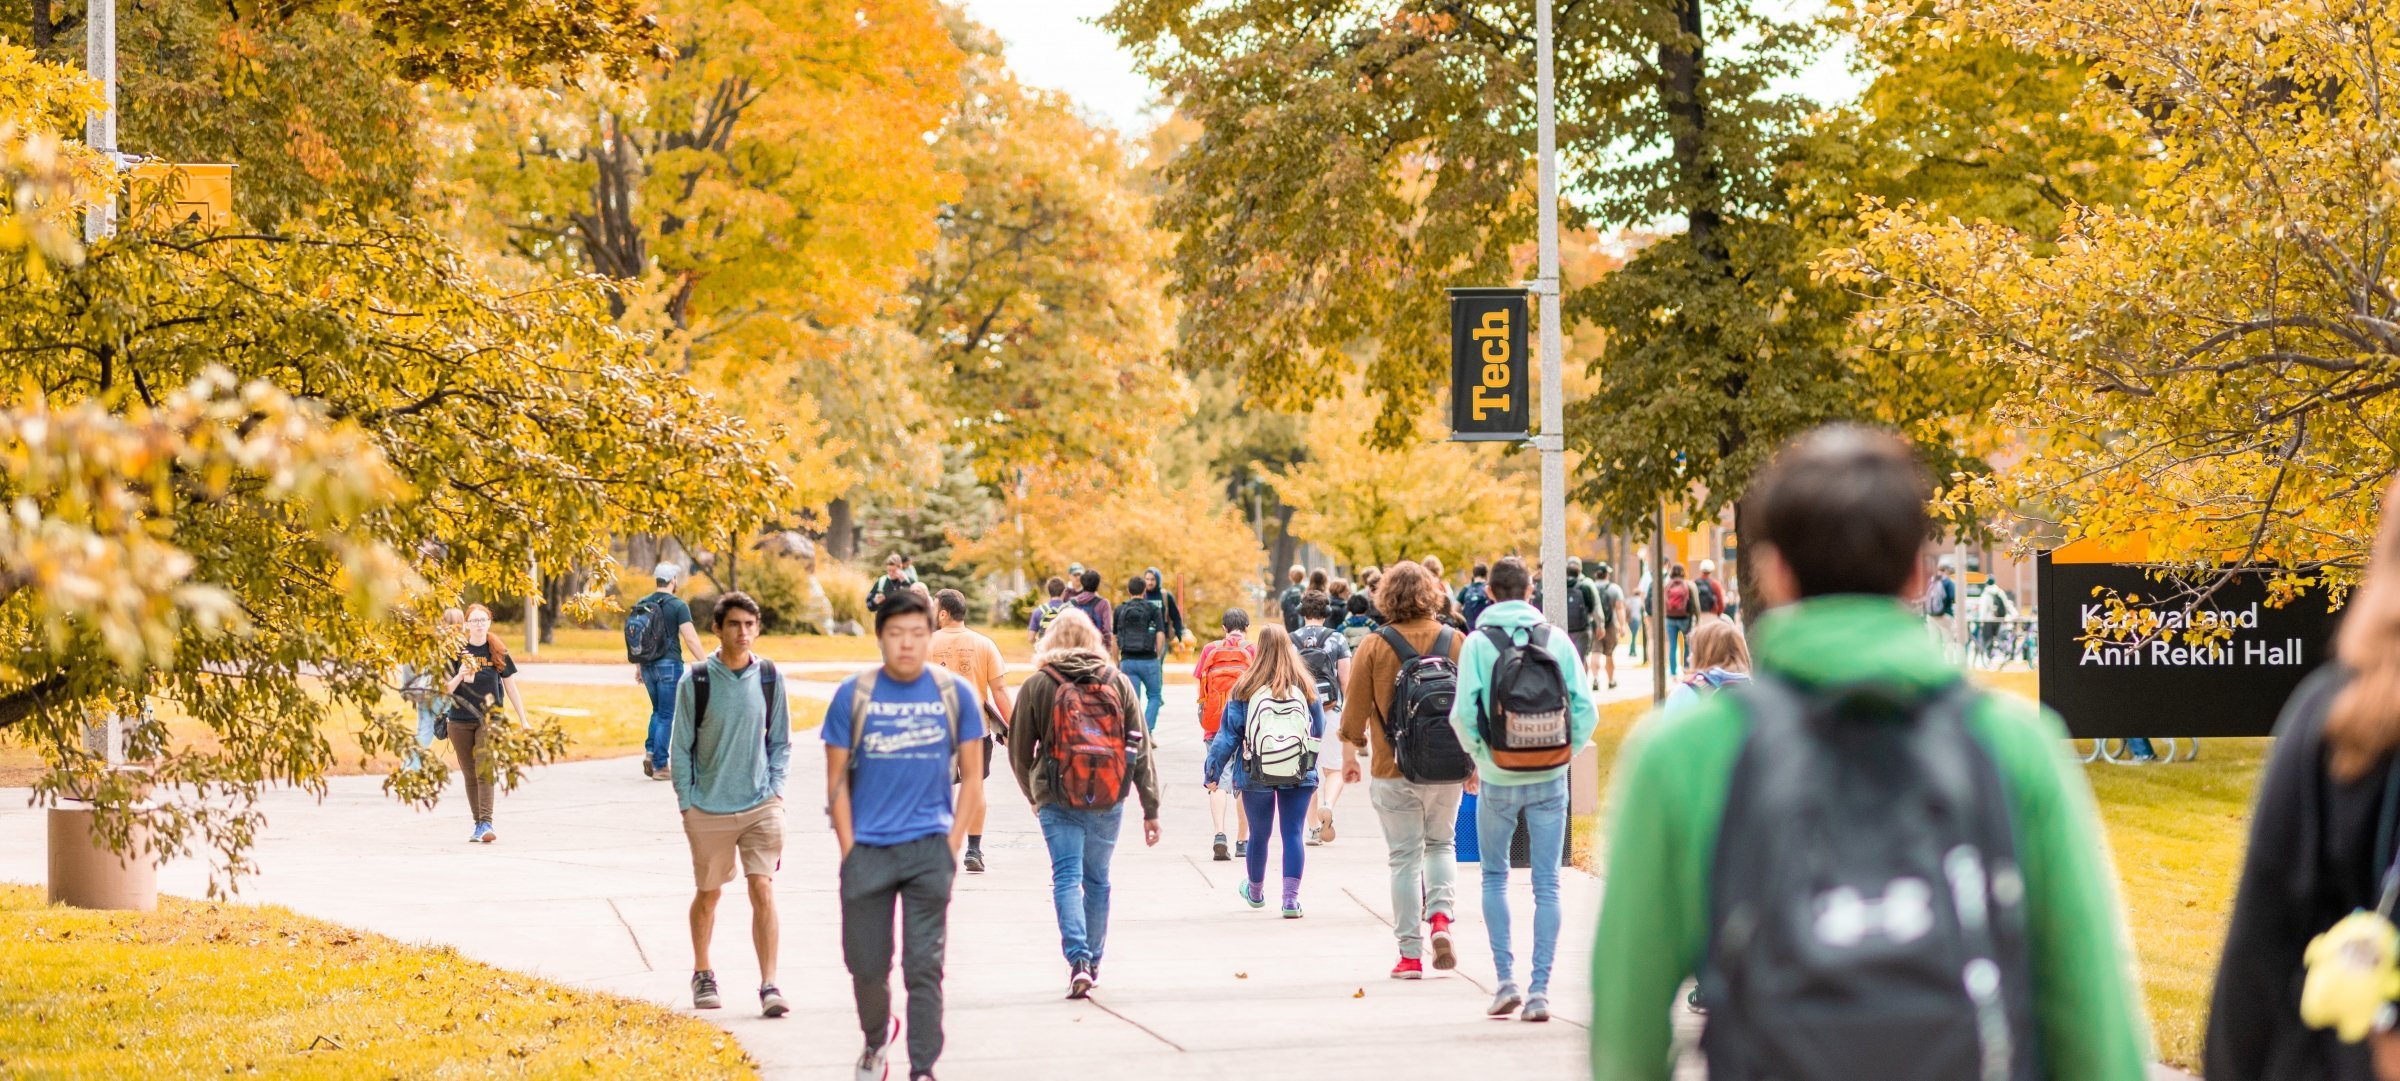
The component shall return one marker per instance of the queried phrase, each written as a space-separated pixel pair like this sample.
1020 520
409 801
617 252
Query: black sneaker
1079 982
770 1001
974 861
1222 855
704 991
648 770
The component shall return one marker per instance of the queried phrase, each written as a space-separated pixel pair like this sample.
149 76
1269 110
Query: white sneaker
876 1063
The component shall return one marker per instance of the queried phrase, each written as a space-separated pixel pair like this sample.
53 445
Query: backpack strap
767 690
952 705
862 695
699 696
1392 637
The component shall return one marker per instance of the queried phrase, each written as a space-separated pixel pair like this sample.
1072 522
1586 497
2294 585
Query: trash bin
1520 845
1469 850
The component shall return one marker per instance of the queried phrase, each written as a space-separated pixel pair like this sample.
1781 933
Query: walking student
1523 710
895 737
1404 679
1087 600
481 675
972 656
1288 605
416 688
1176 632
1221 666
1611 622
1142 643
1327 655
1678 605
2322 839
658 629
1269 741
1720 659
731 747
1585 616
1078 749
1053 603
1859 843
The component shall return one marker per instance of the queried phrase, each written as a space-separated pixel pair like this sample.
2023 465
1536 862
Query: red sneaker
1443 958
1409 968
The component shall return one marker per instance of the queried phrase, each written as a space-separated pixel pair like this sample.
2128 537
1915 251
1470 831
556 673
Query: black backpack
1579 605
1524 716
766 690
647 635
1473 600
1424 745
1866 911
1321 662
1137 627
1092 612
1291 608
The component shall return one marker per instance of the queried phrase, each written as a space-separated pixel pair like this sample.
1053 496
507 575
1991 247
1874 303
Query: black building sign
2144 675
1491 396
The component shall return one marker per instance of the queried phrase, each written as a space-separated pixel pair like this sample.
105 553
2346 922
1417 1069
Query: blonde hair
1719 644
1278 670
2363 723
1067 632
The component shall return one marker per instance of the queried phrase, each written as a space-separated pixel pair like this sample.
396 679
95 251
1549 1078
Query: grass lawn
200 989
579 645
2176 833
600 722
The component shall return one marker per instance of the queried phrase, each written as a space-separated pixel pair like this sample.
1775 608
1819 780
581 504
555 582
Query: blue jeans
1677 631
1150 674
427 713
659 677
1081 845
1544 806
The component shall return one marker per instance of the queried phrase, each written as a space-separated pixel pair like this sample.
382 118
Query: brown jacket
1029 730
1373 670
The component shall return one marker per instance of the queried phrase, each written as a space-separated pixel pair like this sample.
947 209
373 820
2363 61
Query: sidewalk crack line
1179 1048
638 951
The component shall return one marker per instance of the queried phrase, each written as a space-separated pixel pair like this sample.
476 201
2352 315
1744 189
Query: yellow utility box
183 194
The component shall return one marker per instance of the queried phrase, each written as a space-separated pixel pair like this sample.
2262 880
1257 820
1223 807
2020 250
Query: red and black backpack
1089 767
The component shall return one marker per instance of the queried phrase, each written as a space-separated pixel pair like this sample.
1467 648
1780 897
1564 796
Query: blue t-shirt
900 783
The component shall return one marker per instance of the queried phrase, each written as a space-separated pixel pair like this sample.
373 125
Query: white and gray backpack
1277 751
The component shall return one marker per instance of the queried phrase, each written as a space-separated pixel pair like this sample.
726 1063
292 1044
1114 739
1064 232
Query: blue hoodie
1520 620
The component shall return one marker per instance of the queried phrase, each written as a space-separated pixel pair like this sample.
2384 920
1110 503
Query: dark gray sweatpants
918 875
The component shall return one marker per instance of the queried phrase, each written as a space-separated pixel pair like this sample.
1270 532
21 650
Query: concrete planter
85 874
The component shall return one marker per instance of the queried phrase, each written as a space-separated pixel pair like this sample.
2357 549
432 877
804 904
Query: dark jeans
659 677
1266 808
1150 674
917 875
1678 631
464 735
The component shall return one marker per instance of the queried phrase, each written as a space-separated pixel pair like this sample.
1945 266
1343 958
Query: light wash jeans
1544 806
659 677
427 713
1149 674
1678 631
1081 845
1420 829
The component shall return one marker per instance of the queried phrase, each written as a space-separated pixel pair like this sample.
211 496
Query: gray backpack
1866 912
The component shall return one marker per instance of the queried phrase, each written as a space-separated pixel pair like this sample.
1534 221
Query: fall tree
1370 505
2214 363
1122 526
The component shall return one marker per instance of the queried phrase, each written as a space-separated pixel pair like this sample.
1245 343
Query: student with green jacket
1538 796
1840 523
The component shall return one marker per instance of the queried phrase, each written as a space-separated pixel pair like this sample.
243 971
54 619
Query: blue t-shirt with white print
900 788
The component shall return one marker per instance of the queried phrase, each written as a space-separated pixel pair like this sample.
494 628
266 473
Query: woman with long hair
1720 659
482 674
1271 727
2322 842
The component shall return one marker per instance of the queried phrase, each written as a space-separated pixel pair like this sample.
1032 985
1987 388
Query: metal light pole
1658 605
1552 442
100 129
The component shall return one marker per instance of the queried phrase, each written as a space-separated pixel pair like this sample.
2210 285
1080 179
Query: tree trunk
1683 74
1286 549
44 31
841 536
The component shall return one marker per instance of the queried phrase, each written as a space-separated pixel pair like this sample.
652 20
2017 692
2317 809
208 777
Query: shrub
785 594
845 591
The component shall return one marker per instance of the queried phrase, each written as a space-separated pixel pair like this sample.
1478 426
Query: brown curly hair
2363 724
1408 592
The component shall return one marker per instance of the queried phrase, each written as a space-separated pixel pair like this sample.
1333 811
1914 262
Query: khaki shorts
756 835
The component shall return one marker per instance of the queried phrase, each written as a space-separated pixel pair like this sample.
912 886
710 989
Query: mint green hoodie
1475 672
1668 802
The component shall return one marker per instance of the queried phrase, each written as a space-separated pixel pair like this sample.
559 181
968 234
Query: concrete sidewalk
590 880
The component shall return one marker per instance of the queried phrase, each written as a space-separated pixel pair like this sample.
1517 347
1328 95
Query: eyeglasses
485 621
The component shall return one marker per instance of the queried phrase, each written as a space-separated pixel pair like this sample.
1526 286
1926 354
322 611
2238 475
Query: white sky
1052 44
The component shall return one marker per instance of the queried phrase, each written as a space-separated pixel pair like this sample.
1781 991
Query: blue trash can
1470 850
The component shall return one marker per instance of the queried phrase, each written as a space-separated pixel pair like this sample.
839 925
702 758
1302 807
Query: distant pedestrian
2317 887
1269 739
1477 595
1874 869
1087 600
972 656
1078 750
1585 616
1142 643
895 578
1327 655
658 630
1222 666
1524 710
1176 632
1404 676
1051 605
480 676
1638 607
895 737
731 745
1679 607
1709 595
1289 604
1359 621
416 688
1720 659
1612 622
